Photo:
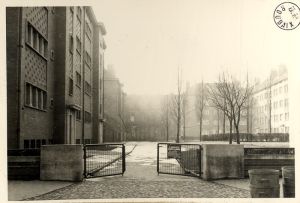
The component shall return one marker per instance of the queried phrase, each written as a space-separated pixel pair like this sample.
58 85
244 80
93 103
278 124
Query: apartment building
271 103
54 76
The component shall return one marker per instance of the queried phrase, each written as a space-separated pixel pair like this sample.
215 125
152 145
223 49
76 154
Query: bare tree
177 103
201 103
218 99
235 95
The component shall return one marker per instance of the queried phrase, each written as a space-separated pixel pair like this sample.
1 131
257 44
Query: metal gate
104 160
179 159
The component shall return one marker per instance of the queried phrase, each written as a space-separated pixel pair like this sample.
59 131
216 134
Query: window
41 46
39 95
87 88
78 45
281 103
276 118
78 79
275 105
52 55
87 117
286 129
36 40
286 116
28 95
70 86
38 143
29 34
78 115
32 143
280 90
285 88
286 103
71 44
77 141
50 141
35 97
281 117
34 90
44 96
26 144
43 142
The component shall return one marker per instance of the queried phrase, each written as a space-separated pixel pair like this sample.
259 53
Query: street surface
142 181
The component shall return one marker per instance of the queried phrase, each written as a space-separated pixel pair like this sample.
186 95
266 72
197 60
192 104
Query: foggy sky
147 41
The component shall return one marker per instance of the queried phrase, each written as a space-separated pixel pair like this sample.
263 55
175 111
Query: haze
148 40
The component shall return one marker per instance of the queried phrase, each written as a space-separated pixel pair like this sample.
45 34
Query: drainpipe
19 51
83 74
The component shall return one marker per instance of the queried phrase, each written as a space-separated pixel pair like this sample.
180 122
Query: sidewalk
19 190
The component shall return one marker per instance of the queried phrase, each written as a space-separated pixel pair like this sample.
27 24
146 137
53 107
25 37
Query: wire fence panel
104 160
179 159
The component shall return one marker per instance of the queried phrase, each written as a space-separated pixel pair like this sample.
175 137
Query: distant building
114 98
271 103
143 116
54 76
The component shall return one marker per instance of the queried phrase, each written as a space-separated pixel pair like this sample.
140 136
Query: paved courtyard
141 181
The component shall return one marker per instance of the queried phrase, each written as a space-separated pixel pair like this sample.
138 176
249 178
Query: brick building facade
54 76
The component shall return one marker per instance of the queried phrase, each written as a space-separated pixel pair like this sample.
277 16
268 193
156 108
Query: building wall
36 69
279 105
60 84
113 108
13 26
98 62
50 74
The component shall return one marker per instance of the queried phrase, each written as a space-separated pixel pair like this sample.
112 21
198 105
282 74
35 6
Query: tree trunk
218 122
167 131
224 123
230 131
200 128
237 134
178 126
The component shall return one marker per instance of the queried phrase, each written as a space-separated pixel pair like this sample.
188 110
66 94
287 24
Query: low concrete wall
61 162
222 161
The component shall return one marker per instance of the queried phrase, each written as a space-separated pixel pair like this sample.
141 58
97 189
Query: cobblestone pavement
141 181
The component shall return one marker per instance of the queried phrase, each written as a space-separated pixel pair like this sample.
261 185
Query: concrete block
222 161
61 162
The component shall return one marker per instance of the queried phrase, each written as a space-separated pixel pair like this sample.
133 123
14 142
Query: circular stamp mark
287 16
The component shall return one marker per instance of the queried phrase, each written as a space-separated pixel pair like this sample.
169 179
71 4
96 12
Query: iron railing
179 159
104 160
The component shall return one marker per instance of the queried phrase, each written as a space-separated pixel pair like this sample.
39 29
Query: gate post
84 161
157 164
200 160
123 159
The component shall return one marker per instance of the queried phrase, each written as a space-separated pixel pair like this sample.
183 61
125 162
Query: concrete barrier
222 161
61 162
